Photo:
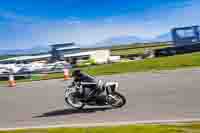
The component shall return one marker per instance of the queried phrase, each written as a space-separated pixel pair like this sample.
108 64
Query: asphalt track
166 95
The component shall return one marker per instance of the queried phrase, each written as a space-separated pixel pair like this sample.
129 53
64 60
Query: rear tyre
73 101
116 100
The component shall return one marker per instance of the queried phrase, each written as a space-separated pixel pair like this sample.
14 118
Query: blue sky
29 23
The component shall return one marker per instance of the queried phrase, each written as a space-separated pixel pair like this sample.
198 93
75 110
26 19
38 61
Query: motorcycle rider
87 82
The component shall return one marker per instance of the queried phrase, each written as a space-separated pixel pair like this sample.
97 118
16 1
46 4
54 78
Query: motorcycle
106 95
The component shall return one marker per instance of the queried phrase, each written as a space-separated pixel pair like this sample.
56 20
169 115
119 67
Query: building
99 56
186 35
185 40
59 50
64 52
26 59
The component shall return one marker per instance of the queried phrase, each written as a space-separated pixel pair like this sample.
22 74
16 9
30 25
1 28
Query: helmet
76 73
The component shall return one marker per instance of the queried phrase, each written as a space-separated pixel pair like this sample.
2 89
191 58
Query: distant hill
124 40
163 38
120 40
109 42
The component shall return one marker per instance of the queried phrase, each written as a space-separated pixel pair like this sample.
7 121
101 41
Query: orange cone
11 81
66 74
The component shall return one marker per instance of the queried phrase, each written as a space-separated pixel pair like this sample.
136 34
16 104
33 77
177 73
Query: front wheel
73 101
116 100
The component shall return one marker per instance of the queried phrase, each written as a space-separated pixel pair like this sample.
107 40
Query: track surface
150 96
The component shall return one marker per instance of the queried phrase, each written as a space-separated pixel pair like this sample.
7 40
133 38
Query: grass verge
163 63
38 78
184 128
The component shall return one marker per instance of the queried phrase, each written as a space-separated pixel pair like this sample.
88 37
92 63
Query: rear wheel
116 100
73 101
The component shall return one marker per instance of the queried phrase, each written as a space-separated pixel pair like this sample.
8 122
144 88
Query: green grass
6 57
38 78
137 45
135 50
163 63
53 76
183 128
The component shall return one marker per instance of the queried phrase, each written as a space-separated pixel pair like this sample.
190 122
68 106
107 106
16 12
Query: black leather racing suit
88 83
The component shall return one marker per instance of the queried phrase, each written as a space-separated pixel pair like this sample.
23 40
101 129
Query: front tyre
73 101
116 100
